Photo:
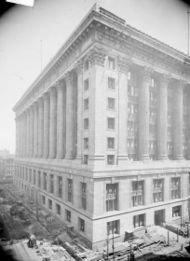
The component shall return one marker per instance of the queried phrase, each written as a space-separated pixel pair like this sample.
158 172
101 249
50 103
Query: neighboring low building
103 134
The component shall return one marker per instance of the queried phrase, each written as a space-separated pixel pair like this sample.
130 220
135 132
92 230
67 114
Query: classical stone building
102 135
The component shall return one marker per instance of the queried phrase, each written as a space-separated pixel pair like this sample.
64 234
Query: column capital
80 65
97 56
123 64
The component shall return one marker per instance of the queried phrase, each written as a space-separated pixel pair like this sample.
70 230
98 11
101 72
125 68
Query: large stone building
102 135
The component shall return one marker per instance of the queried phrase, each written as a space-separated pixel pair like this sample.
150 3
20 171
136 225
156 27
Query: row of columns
48 128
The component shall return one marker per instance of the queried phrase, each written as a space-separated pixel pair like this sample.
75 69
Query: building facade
102 135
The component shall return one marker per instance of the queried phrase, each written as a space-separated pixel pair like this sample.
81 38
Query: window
58 209
60 185
110 143
70 190
137 193
86 65
68 215
110 159
39 179
175 188
81 225
158 190
86 124
50 203
111 197
51 183
45 181
113 227
111 103
111 63
85 143
34 177
86 84
139 220
129 75
85 159
176 211
111 83
83 195
43 200
86 104
111 123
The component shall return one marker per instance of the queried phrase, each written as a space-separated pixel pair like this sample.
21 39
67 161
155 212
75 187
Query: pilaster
46 126
53 123
40 127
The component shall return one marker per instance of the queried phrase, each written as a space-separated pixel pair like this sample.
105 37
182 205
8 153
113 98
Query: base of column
144 157
69 156
179 157
163 157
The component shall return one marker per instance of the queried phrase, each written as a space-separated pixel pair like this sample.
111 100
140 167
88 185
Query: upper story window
85 159
81 225
45 181
111 197
113 227
158 190
176 211
43 200
86 104
175 188
110 159
111 103
34 177
86 144
60 186
111 83
86 123
39 178
137 193
51 183
111 123
83 195
68 215
86 65
70 190
86 84
139 220
110 143
58 209
111 63
50 203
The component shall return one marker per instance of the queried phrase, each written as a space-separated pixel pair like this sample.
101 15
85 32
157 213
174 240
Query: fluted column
40 127
53 125
32 131
162 118
122 110
46 126
70 120
178 121
16 123
35 129
144 83
27 132
61 119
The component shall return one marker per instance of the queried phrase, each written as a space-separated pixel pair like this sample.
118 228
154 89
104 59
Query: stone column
46 126
178 121
53 125
79 110
40 127
122 110
28 132
32 131
162 117
144 83
188 123
35 129
70 124
61 119
16 124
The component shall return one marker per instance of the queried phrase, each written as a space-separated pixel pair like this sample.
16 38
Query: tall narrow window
86 84
113 227
60 186
111 63
158 190
137 193
111 123
51 183
111 197
45 181
111 83
81 225
139 220
175 188
70 190
39 178
83 195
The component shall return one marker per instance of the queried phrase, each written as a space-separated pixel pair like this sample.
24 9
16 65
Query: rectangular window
86 84
86 143
86 104
43 200
51 183
34 177
81 225
158 190
175 188
86 124
111 63
45 181
113 227
139 220
50 203
39 178
110 143
111 123
176 211
110 159
60 186
86 65
137 193
58 209
111 103
111 197
70 190
111 83
83 195
85 159
68 215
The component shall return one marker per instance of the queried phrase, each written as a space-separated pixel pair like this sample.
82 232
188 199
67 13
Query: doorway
159 217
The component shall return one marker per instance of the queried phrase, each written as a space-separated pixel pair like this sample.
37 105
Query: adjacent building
103 134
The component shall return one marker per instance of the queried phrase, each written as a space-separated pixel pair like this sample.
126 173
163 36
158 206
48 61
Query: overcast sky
25 31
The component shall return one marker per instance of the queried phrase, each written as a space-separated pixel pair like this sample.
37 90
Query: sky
31 36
